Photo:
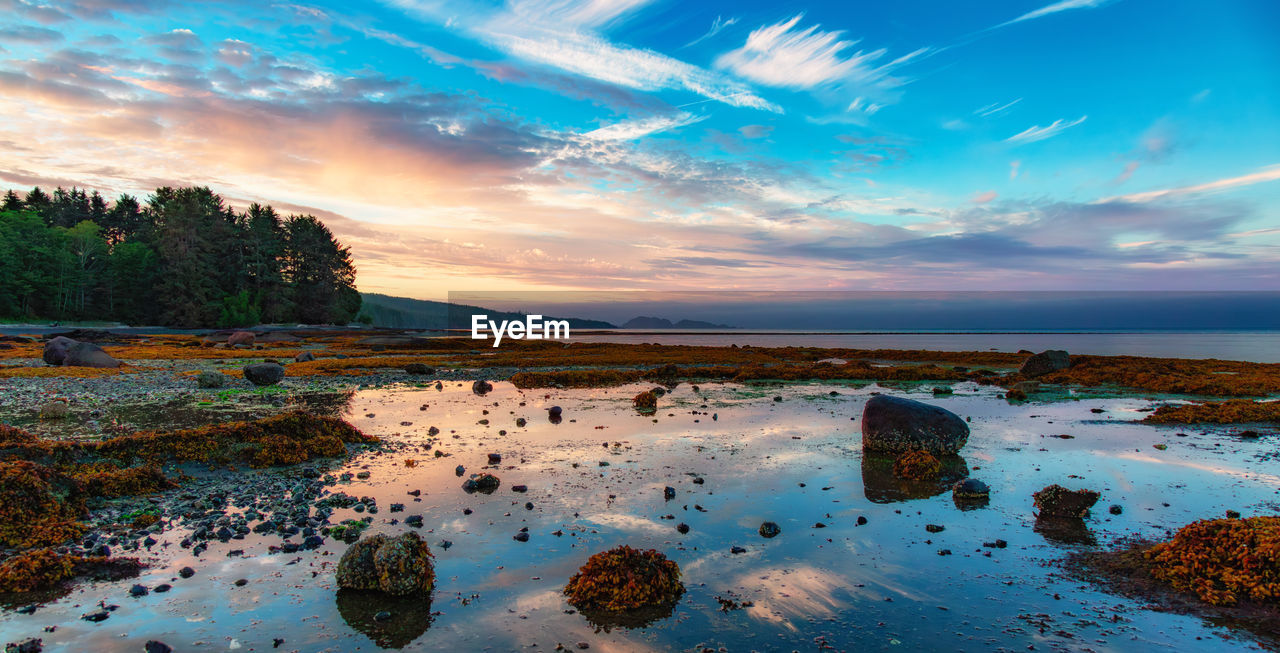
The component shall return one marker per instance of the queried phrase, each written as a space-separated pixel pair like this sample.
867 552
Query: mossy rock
397 566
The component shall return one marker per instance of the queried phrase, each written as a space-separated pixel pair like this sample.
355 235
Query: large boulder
241 338
1045 362
264 373
1058 501
87 354
304 357
896 425
396 565
55 351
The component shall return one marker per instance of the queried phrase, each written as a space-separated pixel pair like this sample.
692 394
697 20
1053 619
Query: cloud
630 130
594 57
717 26
29 34
984 197
235 53
1270 173
755 131
43 14
1038 133
1129 168
995 108
787 56
1057 7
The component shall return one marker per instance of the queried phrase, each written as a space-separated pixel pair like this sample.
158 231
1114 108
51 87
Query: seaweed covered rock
896 425
623 579
646 402
419 368
282 439
917 466
481 387
1058 501
105 480
1223 561
304 357
1045 362
970 489
261 374
398 565
40 506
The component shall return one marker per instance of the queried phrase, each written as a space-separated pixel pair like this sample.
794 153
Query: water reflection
403 618
1065 530
881 486
605 621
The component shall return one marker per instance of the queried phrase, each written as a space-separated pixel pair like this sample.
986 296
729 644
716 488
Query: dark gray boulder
264 373
896 425
304 357
55 351
87 354
1045 362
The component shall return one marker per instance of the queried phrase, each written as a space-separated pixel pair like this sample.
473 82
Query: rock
480 386
683 528
241 338
55 351
482 483
520 422
262 374
1115 509
419 368
554 411
934 528
459 470
668 493
97 615
138 590
495 458
521 537
735 550
896 425
1045 362
970 489
383 615
304 357
769 529
156 646
186 572
28 645
398 565
1058 501
87 354
520 488
211 380
55 410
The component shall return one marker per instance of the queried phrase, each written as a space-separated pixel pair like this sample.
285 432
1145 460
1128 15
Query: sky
664 145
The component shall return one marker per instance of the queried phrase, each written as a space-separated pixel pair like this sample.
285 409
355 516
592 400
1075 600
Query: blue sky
653 144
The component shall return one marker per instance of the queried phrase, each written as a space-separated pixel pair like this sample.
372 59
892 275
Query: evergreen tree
320 273
11 202
126 221
39 202
187 288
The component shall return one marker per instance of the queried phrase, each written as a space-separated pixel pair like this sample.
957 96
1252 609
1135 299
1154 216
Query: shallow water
1254 346
882 585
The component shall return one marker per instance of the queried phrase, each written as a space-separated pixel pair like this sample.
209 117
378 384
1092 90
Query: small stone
769 529
495 458
1115 509
521 537
862 520
736 550
186 572
156 646
682 527
242 582
138 590
382 616
934 528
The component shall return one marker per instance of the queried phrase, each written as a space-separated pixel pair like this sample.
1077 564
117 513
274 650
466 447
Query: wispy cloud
1270 173
29 34
785 55
629 130
717 26
995 108
1057 7
1038 133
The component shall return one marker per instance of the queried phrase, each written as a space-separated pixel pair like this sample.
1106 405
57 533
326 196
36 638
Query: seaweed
623 579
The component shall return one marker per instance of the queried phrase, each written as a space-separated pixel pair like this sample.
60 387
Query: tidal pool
595 480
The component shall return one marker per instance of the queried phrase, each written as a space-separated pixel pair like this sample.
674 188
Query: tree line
183 259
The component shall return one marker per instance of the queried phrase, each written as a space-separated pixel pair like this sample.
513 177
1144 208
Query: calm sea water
1256 346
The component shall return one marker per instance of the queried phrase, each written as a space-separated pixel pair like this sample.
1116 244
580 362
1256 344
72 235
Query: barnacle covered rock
396 565
646 402
482 483
624 578
1058 501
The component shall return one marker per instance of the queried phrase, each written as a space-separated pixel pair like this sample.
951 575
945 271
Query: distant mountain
406 313
643 322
